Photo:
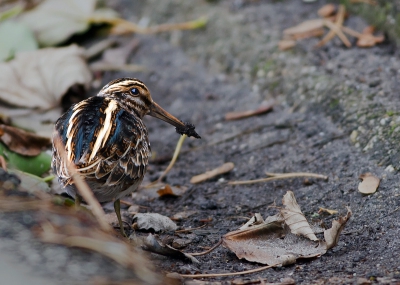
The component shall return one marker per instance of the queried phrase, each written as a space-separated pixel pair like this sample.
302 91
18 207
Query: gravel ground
336 113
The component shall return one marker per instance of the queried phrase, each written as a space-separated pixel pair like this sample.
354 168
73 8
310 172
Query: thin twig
82 187
171 164
339 22
338 31
227 274
351 32
124 26
208 250
277 176
190 230
174 157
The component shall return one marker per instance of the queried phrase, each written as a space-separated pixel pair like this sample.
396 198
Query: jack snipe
106 139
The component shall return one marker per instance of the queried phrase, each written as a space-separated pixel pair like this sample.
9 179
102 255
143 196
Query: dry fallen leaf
157 222
294 218
272 242
369 184
39 79
332 235
326 10
168 190
226 167
22 142
264 108
369 40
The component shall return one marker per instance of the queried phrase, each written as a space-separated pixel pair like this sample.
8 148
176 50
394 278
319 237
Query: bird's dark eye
135 91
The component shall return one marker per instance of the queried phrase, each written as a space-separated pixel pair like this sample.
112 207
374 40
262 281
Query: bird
106 140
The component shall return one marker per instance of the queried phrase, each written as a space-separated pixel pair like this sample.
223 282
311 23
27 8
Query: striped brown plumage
107 141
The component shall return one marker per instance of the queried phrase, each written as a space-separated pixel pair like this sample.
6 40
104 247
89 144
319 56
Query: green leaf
36 165
18 38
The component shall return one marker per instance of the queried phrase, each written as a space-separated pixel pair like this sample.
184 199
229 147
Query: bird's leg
117 208
78 201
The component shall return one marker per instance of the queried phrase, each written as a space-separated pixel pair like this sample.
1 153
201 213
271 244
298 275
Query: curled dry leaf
157 222
255 220
40 78
23 142
332 235
264 108
326 10
168 190
272 243
369 40
226 167
54 21
294 218
153 245
369 184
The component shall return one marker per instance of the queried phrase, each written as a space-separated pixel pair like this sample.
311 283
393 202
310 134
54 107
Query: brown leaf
265 244
369 184
245 114
332 235
286 44
368 30
294 218
23 142
369 40
327 10
306 27
226 167
168 190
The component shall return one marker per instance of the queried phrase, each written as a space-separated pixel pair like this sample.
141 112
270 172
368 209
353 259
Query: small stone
389 168
181 243
353 136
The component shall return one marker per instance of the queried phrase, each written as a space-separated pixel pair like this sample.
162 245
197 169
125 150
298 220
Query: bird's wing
104 141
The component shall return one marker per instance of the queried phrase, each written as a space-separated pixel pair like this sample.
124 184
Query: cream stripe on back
68 145
105 130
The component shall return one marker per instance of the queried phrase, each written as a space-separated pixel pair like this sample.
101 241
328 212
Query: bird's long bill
159 113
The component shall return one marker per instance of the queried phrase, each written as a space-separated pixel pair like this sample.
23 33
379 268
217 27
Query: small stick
277 176
208 250
171 164
190 230
339 22
227 274
338 31
351 32
82 187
